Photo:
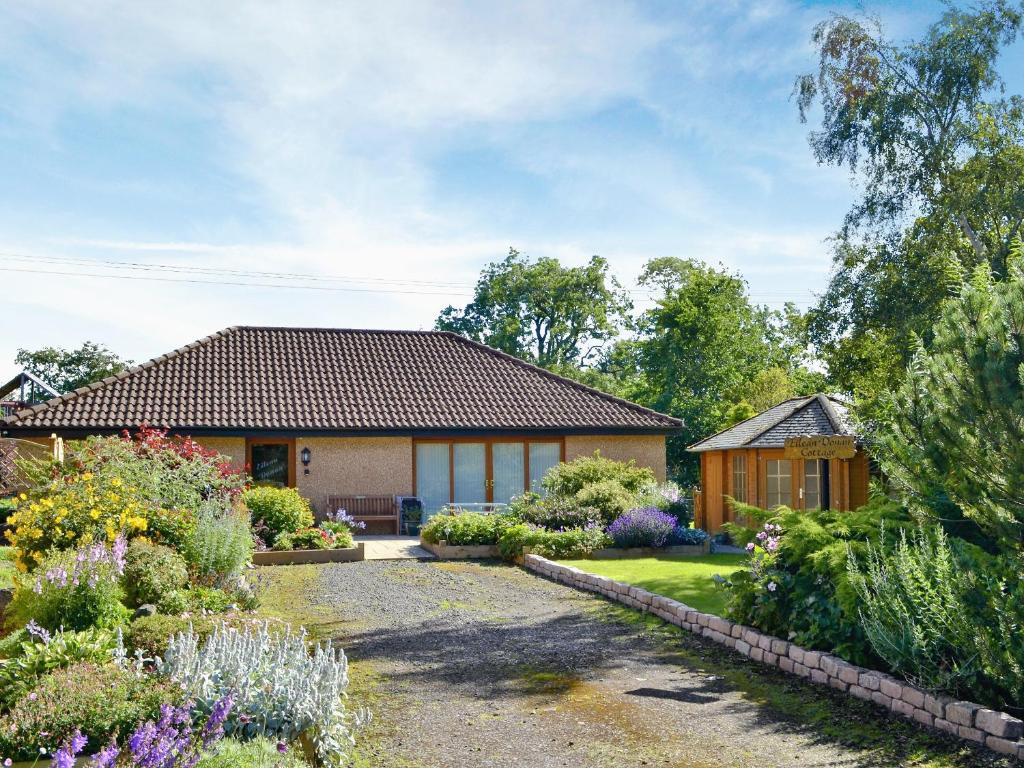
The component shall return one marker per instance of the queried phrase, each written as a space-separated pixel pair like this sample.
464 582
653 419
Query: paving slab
394 548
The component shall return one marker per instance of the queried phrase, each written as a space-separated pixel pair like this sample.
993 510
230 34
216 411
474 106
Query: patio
394 548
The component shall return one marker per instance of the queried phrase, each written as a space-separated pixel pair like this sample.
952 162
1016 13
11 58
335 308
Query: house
24 390
361 412
801 453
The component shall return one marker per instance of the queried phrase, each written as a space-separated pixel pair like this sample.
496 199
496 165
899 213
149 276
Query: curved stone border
445 551
998 731
307 556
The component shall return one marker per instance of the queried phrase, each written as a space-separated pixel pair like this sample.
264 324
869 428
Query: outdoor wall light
306 455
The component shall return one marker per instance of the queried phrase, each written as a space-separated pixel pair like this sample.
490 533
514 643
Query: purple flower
214 728
772 586
38 632
106 757
750 546
643 527
65 756
282 747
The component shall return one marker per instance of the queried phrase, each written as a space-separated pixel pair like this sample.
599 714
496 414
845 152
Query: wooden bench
368 509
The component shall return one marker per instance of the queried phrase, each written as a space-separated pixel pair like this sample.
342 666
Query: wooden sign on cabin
820 447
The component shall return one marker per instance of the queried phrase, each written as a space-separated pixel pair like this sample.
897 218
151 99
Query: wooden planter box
306 556
614 553
445 551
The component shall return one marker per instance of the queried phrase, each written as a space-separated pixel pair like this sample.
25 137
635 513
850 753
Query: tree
540 311
67 370
937 156
700 343
953 444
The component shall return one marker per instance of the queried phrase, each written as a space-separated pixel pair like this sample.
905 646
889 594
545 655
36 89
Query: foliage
73 590
952 443
685 536
608 497
69 369
151 571
698 346
937 154
642 527
277 510
568 479
541 311
209 599
342 520
670 498
575 542
341 532
150 634
280 690
262 753
912 610
83 509
45 653
306 538
552 513
11 643
102 701
737 412
797 584
466 528
221 545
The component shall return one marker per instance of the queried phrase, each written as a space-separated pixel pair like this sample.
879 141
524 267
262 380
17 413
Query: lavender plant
643 527
221 544
280 690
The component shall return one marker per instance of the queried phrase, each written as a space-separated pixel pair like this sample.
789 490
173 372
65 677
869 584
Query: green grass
686 579
7 569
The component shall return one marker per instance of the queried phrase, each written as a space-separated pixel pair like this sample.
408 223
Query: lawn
686 579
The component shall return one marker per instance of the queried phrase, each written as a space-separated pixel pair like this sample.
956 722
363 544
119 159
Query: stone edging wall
996 730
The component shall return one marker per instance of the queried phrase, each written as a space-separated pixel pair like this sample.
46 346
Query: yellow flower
23 497
94 514
116 482
87 476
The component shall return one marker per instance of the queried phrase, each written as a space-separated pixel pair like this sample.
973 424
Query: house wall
353 466
233 447
646 450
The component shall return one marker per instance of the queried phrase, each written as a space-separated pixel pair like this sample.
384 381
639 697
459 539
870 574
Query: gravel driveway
470 664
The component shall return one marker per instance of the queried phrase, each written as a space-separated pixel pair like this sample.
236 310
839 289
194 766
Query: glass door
507 471
543 456
470 475
433 476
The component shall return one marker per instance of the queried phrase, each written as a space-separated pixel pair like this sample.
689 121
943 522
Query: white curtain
432 477
508 471
543 456
470 473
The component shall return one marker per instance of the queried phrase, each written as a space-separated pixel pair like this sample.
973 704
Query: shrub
151 634
280 689
683 536
643 527
151 571
465 528
912 609
73 590
221 545
609 497
102 701
305 538
552 513
38 657
573 543
10 644
209 599
568 479
258 752
797 585
342 520
341 532
277 510
670 498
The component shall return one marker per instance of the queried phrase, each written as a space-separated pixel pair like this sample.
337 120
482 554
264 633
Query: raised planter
306 556
445 551
615 553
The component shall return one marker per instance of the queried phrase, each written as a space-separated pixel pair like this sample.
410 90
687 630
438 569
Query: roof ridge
96 385
754 437
563 379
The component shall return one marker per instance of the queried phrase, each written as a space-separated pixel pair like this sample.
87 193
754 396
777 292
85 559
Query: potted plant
412 515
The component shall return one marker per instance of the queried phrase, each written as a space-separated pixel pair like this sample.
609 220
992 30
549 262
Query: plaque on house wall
820 447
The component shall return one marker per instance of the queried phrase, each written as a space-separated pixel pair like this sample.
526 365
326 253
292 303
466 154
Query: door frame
488 442
288 441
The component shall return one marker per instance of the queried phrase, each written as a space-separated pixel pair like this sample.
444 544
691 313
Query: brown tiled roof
335 380
810 415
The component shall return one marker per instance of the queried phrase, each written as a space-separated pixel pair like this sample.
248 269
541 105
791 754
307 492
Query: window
812 483
271 462
479 472
739 478
779 480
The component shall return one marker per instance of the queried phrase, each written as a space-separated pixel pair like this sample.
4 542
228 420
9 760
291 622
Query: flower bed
306 556
445 551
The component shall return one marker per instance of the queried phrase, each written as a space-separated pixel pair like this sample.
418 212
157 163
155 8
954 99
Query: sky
350 164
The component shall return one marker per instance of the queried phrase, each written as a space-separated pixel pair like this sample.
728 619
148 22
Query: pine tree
955 444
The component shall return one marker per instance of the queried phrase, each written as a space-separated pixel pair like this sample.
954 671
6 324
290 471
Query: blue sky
394 148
